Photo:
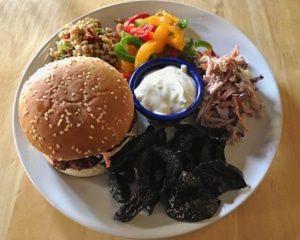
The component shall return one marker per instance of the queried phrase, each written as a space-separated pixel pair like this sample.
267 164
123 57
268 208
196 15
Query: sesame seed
25 111
59 122
90 137
92 126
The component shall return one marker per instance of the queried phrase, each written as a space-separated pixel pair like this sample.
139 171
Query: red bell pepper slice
144 32
131 20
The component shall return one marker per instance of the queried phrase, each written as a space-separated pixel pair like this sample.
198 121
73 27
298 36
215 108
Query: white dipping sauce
167 91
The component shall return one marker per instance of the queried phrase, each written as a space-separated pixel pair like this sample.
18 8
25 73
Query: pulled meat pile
230 94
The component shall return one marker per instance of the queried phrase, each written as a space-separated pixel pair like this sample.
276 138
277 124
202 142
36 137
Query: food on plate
168 90
77 111
145 35
168 97
188 171
86 37
186 174
230 94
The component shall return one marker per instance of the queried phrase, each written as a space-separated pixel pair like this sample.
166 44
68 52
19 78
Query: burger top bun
75 107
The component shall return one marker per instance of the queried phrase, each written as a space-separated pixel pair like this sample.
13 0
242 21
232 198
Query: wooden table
272 212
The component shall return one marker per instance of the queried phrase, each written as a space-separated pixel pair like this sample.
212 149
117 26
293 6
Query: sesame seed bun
75 107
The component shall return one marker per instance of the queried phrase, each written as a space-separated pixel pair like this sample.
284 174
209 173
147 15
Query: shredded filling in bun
78 108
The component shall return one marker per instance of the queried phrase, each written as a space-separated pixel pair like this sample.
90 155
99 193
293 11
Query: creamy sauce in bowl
167 91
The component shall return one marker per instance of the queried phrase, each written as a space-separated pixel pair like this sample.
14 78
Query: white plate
88 202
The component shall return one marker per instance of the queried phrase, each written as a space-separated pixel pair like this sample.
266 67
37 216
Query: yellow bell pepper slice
175 36
167 17
167 32
156 45
126 67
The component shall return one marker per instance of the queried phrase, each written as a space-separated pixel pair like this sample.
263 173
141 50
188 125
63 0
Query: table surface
272 212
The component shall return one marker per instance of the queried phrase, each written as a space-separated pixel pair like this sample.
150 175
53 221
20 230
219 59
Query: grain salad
87 38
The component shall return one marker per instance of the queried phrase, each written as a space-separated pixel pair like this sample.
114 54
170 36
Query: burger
77 112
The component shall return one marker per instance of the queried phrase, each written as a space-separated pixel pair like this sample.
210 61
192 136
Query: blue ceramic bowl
159 63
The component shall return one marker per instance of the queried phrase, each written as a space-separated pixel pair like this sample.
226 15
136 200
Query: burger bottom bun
99 168
89 172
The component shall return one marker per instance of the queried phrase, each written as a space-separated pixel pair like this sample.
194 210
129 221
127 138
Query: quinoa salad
86 38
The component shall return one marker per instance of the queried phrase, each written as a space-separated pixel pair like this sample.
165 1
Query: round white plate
88 201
